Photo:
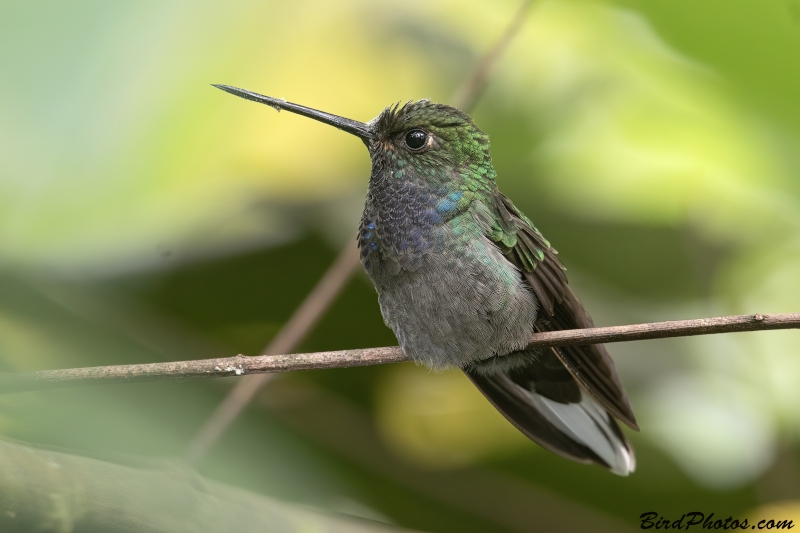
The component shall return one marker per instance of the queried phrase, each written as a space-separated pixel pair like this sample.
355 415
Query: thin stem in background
293 332
473 86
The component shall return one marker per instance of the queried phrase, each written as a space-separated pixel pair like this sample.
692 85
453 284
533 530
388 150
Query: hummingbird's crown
419 114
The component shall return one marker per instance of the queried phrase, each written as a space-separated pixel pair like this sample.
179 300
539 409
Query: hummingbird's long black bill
359 129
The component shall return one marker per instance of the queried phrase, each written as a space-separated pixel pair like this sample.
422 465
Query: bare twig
242 364
333 281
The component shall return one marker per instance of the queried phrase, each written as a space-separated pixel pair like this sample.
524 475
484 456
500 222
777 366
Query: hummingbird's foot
502 363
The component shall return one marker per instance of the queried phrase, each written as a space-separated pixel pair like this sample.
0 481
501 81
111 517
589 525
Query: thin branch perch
243 365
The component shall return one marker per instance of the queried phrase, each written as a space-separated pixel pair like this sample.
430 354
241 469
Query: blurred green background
145 216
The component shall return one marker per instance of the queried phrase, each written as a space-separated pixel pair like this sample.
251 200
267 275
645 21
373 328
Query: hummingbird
464 279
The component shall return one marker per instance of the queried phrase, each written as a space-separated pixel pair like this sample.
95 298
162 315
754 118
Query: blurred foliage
43 490
146 216
441 420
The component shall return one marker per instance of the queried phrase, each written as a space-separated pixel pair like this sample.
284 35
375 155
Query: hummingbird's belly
460 305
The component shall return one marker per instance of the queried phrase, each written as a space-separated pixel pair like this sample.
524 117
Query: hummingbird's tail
547 404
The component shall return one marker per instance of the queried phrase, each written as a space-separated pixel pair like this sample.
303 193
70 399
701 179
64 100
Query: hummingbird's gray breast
447 291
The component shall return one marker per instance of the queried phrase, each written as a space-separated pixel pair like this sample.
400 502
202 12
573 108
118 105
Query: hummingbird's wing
526 248
544 401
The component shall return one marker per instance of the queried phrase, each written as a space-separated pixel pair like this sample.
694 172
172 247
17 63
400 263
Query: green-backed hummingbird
464 279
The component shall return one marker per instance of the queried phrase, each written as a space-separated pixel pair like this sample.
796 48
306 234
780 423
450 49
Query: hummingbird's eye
416 139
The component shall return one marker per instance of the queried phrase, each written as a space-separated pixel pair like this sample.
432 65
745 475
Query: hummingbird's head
426 134
437 141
